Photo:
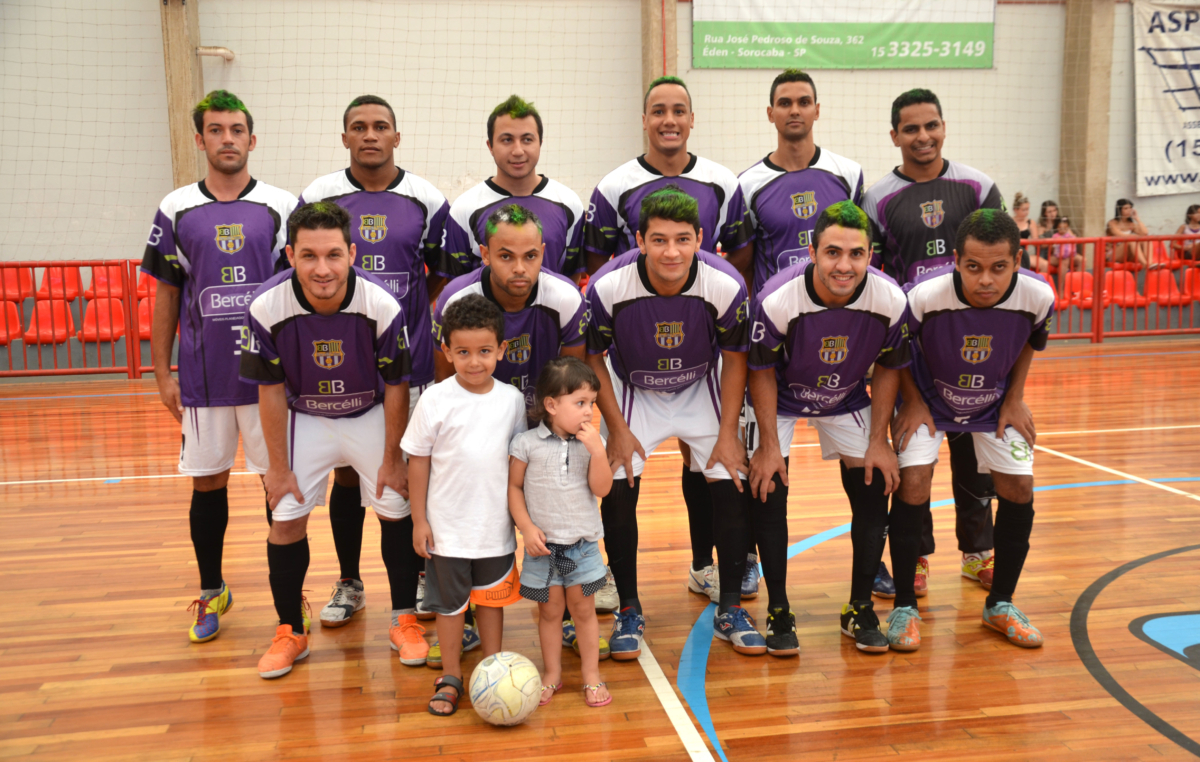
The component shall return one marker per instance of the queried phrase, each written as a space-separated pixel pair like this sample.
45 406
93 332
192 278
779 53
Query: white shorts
1011 455
414 393
841 436
210 440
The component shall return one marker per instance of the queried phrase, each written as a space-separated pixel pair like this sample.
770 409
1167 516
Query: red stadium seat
145 317
51 324
1161 288
1159 255
17 284
59 283
1191 284
1122 289
1077 290
10 324
147 285
106 283
104 320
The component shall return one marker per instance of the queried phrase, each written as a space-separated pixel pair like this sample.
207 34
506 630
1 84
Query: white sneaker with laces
706 582
347 598
606 598
423 613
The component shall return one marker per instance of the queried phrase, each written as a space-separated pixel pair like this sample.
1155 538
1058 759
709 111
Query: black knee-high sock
400 560
618 512
270 519
288 564
973 493
698 499
769 531
1014 523
904 537
208 517
730 527
868 527
346 515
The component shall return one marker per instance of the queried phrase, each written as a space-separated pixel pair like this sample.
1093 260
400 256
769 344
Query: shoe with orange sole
286 648
1009 621
407 638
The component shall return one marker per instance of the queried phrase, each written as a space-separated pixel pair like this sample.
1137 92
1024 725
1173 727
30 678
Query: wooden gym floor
98 572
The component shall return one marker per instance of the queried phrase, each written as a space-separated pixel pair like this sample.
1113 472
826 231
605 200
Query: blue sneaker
568 633
208 615
751 577
885 586
737 626
626 640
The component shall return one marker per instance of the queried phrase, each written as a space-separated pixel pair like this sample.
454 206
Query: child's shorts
452 583
566 566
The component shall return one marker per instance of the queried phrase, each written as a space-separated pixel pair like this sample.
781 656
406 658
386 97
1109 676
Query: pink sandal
595 689
553 689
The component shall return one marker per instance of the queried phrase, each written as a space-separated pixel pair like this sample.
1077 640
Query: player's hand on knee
423 539
392 473
764 464
911 416
1016 413
168 392
881 456
730 452
622 444
279 483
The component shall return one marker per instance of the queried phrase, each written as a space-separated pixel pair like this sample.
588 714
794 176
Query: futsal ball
505 688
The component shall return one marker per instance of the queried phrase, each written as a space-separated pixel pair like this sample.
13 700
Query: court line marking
693 744
1115 472
78 396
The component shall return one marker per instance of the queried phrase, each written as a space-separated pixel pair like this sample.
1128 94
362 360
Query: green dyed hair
793 75
319 215
669 203
843 214
666 81
912 98
220 100
509 214
367 100
988 226
517 108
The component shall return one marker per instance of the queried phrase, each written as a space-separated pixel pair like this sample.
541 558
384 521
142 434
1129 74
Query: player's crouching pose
327 344
818 326
974 331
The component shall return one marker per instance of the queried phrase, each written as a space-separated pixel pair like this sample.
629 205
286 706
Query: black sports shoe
781 634
859 622
885 586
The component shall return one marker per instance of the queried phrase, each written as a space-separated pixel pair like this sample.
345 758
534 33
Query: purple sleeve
435 238
858 190
457 256
733 328
895 352
161 260
601 226
260 358
1041 331
438 309
599 324
574 329
766 342
736 231
573 260
391 351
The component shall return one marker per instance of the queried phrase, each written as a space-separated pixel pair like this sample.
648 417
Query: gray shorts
452 583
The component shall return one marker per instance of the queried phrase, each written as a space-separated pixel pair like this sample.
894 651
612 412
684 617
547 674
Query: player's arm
273 414
743 261
393 472
885 383
767 459
622 444
418 493
729 450
1013 411
162 343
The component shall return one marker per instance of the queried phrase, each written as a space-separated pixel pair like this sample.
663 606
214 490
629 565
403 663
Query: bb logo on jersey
804 205
668 335
230 239
328 354
833 349
518 350
373 227
932 214
976 349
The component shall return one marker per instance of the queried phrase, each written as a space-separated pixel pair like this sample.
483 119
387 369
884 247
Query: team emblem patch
230 239
328 354
976 349
833 349
804 205
932 214
373 227
668 335
518 350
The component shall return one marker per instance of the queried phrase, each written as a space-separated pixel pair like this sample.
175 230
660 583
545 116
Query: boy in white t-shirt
457 443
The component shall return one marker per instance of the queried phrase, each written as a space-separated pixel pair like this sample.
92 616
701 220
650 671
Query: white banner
1166 50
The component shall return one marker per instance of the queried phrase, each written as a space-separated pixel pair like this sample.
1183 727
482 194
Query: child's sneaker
860 622
921 580
978 568
737 626
286 648
781 634
347 598
903 633
572 642
1008 620
470 642
606 598
705 582
208 615
406 637
885 586
629 626
423 613
751 578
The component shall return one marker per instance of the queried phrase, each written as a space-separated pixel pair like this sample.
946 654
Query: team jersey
556 205
217 253
916 223
554 317
335 365
666 343
962 356
820 354
397 232
782 207
612 219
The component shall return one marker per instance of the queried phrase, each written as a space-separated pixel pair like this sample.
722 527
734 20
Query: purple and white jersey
554 317
397 232
666 343
612 218
556 205
217 253
962 356
783 207
335 365
916 223
821 354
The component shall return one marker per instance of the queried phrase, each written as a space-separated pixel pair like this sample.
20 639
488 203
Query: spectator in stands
1031 259
1191 226
1065 255
1048 219
1126 221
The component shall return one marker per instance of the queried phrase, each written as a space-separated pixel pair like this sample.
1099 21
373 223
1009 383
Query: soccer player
211 245
669 315
611 228
974 329
916 210
514 131
818 326
398 224
328 347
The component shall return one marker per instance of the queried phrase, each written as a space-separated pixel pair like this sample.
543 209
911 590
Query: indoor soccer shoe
347 598
737 626
979 569
1008 620
860 622
751 578
781 634
572 642
422 612
606 598
705 582
625 643
208 615
286 648
921 580
885 586
406 637
470 642
903 633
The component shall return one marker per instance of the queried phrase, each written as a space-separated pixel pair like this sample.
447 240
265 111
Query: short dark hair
793 75
843 214
367 100
913 98
988 226
472 312
319 215
562 375
220 100
668 80
668 203
517 108
509 214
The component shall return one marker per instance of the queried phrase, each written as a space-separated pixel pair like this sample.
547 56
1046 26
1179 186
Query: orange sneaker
903 632
921 582
285 649
1008 620
406 636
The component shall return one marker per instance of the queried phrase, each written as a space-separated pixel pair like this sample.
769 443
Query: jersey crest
804 205
976 349
328 354
518 350
833 349
932 214
230 239
668 335
373 227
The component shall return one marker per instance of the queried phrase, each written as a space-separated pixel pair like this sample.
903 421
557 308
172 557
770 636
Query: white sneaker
706 582
606 597
422 612
347 597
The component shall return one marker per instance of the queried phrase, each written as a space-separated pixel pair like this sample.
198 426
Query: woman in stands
1031 259
1127 222
1191 226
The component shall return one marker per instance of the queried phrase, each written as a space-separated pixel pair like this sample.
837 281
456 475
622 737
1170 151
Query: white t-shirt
466 436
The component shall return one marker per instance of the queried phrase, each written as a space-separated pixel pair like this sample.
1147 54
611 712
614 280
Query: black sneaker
781 634
885 586
859 622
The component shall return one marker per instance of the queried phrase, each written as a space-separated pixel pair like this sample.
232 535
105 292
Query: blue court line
112 481
78 396
693 662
